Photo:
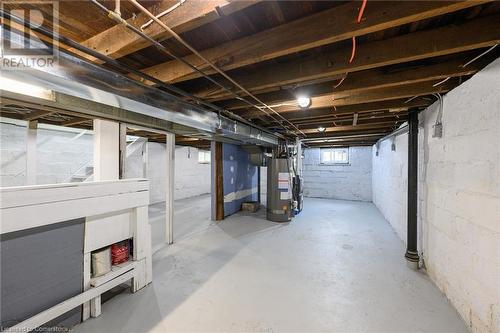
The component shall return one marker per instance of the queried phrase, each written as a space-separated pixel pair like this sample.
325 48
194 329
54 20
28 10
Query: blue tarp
240 178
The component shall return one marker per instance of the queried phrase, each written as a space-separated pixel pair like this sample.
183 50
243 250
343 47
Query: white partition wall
112 211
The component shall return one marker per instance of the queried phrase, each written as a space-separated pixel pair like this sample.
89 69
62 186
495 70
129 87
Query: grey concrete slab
337 267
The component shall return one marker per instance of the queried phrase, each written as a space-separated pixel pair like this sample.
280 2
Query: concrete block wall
459 185
60 153
191 178
347 182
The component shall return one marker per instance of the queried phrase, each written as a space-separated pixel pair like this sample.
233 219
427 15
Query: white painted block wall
191 178
346 182
61 152
459 210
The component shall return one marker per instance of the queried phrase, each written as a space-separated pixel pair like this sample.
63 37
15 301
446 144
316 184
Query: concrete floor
190 215
337 267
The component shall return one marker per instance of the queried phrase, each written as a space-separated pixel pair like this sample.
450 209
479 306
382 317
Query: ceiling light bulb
304 102
321 129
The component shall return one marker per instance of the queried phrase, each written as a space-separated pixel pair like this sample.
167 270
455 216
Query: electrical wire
353 53
341 80
162 48
479 56
441 82
410 99
123 68
361 10
353 41
211 64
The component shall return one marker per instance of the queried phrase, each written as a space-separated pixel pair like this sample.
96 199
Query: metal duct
256 154
84 81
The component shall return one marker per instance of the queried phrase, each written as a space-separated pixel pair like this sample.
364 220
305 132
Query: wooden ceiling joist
397 105
478 33
349 132
364 81
320 29
118 41
75 121
37 115
364 119
373 95
376 121
333 129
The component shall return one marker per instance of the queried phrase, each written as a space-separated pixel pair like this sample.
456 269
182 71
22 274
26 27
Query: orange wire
353 49
361 10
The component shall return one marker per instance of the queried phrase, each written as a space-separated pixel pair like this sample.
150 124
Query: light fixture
321 129
304 102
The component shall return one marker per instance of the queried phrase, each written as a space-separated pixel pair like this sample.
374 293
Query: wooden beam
366 119
188 139
344 133
397 105
344 144
365 80
319 29
342 123
381 125
478 33
218 181
75 121
372 95
118 41
37 114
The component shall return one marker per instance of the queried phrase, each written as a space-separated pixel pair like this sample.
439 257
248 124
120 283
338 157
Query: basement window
204 156
334 155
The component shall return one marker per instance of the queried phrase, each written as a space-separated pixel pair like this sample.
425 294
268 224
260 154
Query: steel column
411 245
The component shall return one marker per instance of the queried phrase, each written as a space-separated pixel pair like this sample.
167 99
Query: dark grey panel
40 268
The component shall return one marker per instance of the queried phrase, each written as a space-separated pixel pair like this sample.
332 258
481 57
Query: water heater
279 190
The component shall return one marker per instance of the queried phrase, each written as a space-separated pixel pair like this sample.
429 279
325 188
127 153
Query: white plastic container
101 262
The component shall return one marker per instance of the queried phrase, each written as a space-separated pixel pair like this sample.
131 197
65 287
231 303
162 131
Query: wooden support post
123 149
106 150
145 159
170 186
86 285
31 152
106 167
217 182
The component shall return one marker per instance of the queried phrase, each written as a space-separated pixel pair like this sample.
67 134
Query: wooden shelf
116 270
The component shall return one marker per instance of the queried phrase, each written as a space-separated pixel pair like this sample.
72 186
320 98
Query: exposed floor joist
316 30
282 50
479 33
118 41
364 81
